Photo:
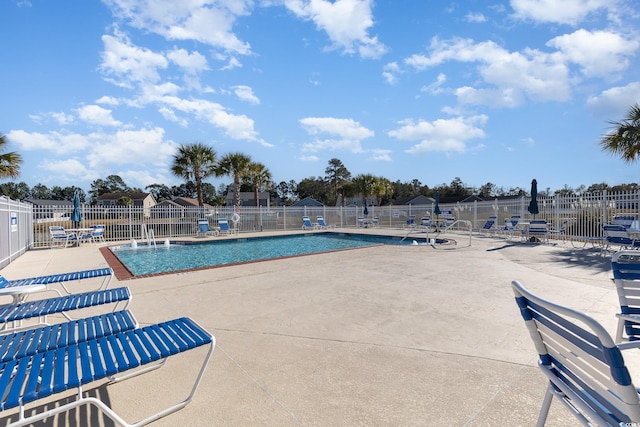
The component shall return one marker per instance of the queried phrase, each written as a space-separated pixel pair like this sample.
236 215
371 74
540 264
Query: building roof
414 200
166 203
189 202
308 201
117 196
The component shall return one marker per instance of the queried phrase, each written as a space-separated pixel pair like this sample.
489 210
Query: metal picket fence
23 226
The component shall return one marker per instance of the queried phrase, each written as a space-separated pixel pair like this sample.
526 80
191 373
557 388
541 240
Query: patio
387 335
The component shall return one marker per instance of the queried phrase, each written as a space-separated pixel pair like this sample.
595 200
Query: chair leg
546 404
619 330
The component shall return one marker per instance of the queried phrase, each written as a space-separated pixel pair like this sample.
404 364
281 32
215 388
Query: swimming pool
181 256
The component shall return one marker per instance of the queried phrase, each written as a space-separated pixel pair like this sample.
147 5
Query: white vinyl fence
16 229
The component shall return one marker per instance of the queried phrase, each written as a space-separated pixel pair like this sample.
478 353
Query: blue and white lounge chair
626 275
491 222
411 221
62 278
618 235
307 225
14 314
97 233
30 378
585 368
322 224
204 229
223 224
624 220
60 237
30 341
539 229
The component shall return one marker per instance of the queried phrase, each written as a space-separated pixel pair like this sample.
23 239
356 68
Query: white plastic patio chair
585 368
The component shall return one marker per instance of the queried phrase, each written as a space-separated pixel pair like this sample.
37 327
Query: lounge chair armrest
629 317
628 345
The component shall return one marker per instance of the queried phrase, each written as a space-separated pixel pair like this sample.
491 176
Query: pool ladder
148 235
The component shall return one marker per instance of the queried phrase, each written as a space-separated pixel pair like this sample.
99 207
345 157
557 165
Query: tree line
196 162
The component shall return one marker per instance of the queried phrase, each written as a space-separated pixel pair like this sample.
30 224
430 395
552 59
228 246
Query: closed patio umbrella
76 215
436 209
533 205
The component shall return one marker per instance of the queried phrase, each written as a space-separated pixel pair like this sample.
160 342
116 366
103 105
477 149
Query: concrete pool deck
380 336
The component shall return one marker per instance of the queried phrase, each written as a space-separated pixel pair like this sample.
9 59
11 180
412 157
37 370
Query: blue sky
498 92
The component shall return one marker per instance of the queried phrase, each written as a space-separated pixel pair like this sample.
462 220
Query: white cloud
435 87
143 178
390 72
68 170
475 17
347 132
54 142
616 100
245 93
598 53
233 63
192 63
380 154
97 115
129 146
561 12
444 135
206 21
124 63
108 100
346 22
60 118
512 75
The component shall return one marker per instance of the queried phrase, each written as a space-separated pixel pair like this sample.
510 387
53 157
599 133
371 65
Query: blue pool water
190 255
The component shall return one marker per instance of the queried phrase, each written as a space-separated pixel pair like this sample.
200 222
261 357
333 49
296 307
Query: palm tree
194 162
235 165
624 139
9 162
381 187
260 177
364 184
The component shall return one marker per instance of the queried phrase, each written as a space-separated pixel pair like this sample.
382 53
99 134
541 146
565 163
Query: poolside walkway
381 336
